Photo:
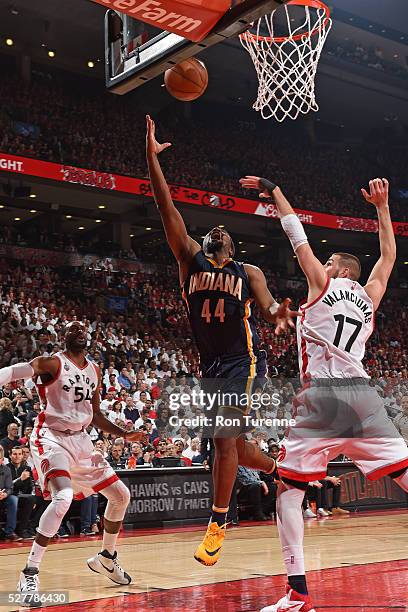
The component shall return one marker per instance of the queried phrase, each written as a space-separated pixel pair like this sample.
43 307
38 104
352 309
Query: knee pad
52 517
118 496
61 502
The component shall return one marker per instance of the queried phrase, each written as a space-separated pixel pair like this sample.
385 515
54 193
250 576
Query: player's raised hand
378 195
152 146
256 182
284 316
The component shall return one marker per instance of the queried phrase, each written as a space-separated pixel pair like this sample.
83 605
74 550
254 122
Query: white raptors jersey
67 400
333 330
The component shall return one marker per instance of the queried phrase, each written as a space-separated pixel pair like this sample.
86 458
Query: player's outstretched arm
292 226
101 422
378 280
37 367
183 246
279 314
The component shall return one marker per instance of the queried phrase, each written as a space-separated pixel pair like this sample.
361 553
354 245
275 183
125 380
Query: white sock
291 528
109 542
402 481
36 555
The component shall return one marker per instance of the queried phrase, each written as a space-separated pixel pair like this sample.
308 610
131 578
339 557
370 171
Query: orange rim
316 4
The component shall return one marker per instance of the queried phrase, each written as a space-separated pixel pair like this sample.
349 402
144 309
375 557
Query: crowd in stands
146 356
53 119
31 235
372 57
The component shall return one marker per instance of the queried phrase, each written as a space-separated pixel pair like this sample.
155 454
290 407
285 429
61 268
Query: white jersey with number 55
333 330
67 400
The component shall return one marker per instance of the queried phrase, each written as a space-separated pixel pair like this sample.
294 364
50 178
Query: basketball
187 80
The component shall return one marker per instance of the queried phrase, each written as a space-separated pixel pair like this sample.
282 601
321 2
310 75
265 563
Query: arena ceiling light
33 195
17 218
243 251
68 216
148 229
132 235
261 246
9 42
1 205
101 206
51 53
91 64
240 242
81 227
33 211
323 241
98 220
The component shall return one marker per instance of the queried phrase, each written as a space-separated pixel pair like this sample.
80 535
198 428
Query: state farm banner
192 19
186 195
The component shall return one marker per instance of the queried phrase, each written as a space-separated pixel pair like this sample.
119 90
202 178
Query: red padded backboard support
192 19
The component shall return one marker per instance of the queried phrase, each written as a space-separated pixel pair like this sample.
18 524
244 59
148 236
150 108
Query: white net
285 51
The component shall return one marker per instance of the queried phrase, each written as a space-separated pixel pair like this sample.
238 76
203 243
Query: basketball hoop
285 51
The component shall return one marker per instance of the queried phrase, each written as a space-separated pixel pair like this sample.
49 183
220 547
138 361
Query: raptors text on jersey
67 399
333 331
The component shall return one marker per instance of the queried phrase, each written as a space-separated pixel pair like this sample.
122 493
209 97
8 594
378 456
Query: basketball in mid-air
187 80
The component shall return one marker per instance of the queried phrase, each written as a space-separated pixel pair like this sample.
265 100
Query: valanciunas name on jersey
216 281
339 294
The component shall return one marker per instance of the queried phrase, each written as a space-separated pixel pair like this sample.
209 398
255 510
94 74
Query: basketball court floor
357 563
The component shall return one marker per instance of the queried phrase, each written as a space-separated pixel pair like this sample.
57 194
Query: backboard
136 52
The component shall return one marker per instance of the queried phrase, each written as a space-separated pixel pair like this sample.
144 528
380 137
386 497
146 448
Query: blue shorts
231 383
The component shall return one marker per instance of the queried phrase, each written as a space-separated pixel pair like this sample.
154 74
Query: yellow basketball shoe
208 551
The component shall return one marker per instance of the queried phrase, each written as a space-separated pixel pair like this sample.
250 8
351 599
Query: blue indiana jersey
219 306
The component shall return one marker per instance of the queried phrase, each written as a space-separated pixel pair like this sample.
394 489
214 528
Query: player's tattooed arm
101 422
183 246
279 314
378 280
292 226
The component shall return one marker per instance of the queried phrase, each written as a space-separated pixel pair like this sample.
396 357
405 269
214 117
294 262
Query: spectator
193 451
250 483
26 438
131 412
23 485
8 500
115 458
6 416
11 440
89 516
136 456
101 447
180 446
117 412
333 483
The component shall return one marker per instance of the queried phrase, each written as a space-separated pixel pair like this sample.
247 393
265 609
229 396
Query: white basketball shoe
29 584
106 564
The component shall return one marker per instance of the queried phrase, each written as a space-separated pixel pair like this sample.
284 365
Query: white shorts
325 418
72 455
